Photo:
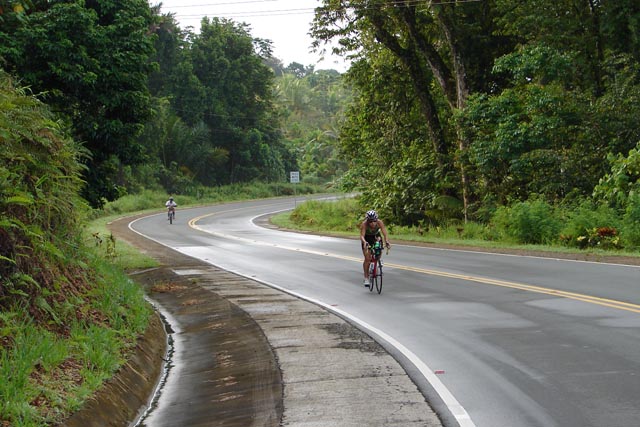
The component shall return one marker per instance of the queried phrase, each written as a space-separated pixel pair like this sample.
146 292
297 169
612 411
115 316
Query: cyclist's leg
365 263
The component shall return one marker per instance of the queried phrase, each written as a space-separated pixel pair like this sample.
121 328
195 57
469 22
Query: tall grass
154 199
342 215
46 375
533 224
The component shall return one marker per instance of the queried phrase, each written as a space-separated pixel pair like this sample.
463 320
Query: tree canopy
90 61
450 109
468 105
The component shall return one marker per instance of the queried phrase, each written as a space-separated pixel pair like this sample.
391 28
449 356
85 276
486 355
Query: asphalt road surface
500 340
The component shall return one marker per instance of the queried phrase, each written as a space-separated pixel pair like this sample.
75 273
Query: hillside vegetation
461 109
67 318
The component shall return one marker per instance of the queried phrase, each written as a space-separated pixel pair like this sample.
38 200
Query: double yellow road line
619 305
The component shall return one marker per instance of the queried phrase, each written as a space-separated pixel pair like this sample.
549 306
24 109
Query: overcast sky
284 22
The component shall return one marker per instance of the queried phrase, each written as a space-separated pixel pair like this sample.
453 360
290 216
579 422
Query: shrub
592 226
533 221
630 229
472 231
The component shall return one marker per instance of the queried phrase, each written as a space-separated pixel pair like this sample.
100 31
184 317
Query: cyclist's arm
384 233
362 230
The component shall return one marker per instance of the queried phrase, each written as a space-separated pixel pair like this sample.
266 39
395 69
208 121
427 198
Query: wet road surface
244 354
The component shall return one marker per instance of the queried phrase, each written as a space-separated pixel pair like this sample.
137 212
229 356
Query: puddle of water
166 369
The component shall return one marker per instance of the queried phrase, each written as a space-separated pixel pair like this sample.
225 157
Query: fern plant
39 187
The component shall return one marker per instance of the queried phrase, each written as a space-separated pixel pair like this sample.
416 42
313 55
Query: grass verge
343 217
48 371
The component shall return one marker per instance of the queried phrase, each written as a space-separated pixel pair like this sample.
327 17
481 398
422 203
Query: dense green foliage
464 107
311 105
90 61
67 318
160 107
215 122
530 225
39 198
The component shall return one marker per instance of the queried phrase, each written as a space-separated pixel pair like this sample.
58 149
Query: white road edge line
456 409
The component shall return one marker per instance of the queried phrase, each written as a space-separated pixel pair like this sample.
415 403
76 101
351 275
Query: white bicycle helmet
372 215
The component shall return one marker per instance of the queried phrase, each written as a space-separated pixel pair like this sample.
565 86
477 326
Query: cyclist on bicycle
370 230
171 206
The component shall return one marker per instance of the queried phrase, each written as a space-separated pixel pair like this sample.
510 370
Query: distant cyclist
370 230
171 207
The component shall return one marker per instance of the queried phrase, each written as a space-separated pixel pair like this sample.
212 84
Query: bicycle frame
375 266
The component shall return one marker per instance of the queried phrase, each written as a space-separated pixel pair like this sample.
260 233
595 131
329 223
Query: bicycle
172 214
375 267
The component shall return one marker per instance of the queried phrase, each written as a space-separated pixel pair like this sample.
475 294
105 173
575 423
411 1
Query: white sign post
294 178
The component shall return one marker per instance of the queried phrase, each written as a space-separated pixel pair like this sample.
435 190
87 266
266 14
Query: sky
284 22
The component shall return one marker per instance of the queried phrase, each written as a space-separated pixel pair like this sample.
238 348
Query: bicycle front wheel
372 279
378 278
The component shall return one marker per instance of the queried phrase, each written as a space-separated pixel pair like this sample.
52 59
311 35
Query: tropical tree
567 102
444 50
311 105
218 78
89 59
494 100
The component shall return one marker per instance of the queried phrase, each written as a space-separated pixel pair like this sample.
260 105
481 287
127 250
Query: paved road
515 341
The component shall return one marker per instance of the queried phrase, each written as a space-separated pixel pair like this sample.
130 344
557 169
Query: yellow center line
620 305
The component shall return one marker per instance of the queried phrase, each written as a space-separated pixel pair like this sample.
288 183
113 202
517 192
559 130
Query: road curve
327 372
514 341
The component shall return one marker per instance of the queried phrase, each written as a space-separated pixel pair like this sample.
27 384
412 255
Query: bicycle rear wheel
378 278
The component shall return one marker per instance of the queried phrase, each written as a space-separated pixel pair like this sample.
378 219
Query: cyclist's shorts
370 239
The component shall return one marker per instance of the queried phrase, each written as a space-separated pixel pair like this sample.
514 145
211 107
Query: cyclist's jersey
370 234
372 231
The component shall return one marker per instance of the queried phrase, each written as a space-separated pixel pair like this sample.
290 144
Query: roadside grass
47 375
343 217
115 251
150 200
